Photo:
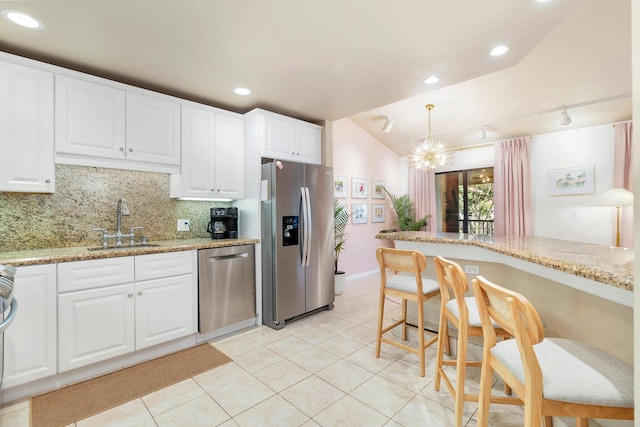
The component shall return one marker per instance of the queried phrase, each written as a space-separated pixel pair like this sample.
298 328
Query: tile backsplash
85 198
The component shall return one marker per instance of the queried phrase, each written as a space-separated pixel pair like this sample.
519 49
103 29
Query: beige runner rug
75 402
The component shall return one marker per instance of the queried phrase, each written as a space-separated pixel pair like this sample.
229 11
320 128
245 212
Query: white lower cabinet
164 310
101 321
95 325
30 341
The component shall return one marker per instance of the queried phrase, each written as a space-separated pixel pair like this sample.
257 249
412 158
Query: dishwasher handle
225 257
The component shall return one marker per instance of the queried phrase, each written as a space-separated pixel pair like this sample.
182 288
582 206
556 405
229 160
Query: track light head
387 126
565 119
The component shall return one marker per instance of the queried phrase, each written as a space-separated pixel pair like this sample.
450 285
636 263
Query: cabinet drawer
168 264
81 275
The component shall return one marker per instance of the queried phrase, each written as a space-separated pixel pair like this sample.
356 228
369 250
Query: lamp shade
614 197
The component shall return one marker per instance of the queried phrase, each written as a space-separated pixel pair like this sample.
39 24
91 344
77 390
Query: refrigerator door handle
304 226
308 228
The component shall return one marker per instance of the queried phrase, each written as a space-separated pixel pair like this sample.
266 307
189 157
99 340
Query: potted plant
340 221
404 214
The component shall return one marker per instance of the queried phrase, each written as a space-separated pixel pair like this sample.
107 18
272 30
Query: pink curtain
513 208
623 178
422 190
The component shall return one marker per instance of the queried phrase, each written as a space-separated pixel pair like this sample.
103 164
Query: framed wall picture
577 180
340 186
377 189
378 213
359 213
359 188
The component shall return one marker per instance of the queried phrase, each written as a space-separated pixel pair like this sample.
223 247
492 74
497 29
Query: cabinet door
165 310
26 129
279 138
229 157
30 340
95 325
152 129
308 145
90 119
196 170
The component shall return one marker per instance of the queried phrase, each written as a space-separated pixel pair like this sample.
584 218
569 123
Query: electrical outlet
184 225
472 269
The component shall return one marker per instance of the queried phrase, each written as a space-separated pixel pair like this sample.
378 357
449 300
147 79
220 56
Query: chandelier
430 154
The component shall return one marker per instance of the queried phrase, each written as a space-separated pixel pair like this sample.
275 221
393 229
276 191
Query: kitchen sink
134 246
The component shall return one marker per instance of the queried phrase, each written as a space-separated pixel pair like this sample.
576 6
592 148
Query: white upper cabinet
228 157
285 138
26 129
90 119
153 130
105 126
212 155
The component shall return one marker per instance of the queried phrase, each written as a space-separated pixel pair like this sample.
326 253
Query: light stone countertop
80 253
604 264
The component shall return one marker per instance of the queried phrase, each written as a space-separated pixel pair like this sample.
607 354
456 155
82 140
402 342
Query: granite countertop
604 264
81 253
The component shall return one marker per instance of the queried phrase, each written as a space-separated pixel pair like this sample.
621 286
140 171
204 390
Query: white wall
562 217
570 217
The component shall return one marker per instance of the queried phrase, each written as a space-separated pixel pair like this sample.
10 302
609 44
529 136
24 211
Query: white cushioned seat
407 283
574 372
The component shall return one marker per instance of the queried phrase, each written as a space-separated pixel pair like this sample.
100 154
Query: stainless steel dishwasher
226 286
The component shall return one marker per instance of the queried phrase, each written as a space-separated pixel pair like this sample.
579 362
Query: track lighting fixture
387 126
565 119
481 133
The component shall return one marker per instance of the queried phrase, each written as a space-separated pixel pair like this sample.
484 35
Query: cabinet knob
48 181
130 295
140 293
121 148
131 150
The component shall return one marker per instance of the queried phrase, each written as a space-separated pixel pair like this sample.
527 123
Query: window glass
465 201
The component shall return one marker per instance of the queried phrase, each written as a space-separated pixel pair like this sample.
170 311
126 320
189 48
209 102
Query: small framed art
378 213
359 213
566 181
340 186
377 189
359 188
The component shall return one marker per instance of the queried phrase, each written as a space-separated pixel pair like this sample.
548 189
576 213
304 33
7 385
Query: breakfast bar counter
81 253
597 269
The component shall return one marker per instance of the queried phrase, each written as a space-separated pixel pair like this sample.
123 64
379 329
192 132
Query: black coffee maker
224 223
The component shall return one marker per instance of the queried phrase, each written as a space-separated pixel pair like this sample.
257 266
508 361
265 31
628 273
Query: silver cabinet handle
48 181
131 150
121 148
140 293
130 295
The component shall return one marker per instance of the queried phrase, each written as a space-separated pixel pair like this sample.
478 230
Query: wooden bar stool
552 376
407 287
463 314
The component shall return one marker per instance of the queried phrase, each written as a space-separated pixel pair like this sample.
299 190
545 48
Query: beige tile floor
318 371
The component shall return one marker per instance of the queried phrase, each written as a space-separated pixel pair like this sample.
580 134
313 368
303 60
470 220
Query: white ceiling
326 60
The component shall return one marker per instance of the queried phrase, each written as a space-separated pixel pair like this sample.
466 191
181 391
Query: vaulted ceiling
366 60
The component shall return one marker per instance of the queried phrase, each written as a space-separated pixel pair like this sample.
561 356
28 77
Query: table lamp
617 197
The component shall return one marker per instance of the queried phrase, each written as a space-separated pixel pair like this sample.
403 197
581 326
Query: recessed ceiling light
499 50
22 19
242 91
431 80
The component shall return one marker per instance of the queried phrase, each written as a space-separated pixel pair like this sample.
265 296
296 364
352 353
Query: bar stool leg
461 367
380 318
420 335
404 319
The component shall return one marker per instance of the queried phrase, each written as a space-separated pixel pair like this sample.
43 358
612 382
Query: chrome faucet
121 209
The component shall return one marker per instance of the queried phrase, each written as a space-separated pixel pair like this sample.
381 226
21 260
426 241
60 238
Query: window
465 201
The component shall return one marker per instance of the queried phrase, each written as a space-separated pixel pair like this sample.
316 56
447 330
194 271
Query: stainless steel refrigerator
297 241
